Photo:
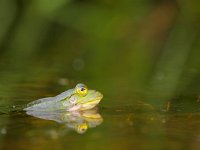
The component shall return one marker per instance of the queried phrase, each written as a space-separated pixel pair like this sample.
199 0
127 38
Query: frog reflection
80 121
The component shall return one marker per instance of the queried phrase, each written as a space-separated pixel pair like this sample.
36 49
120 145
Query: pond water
111 125
142 55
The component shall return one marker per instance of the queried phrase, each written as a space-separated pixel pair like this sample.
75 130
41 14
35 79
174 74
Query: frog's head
83 99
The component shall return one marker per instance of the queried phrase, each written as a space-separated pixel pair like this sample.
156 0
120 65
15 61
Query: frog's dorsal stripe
41 100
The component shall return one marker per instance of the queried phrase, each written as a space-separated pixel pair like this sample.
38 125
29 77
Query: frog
78 98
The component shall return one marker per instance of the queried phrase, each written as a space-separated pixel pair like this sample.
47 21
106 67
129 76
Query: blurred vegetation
119 47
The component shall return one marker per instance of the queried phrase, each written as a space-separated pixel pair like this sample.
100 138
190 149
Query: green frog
79 98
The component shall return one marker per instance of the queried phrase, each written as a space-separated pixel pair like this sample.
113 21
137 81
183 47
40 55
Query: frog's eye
81 89
72 100
82 128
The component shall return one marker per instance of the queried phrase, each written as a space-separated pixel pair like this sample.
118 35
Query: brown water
118 126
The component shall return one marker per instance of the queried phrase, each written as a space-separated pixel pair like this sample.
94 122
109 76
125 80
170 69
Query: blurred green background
119 47
130 50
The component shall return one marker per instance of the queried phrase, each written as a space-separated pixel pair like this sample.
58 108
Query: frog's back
46 102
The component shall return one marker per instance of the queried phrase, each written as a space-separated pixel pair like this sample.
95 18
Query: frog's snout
99 95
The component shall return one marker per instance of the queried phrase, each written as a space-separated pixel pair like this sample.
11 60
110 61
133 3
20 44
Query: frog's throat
84 106
75 107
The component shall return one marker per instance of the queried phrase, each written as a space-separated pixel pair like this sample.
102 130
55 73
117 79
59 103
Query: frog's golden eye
81 89
81 128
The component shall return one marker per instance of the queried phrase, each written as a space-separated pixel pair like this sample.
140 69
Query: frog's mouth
85 106
88 102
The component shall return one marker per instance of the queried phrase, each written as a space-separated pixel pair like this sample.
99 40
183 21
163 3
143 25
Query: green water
142 55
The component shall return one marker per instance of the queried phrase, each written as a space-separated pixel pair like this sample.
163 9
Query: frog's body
79 98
